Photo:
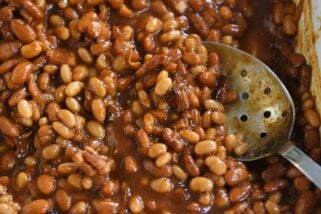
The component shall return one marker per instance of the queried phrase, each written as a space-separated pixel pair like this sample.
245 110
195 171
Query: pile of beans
113 106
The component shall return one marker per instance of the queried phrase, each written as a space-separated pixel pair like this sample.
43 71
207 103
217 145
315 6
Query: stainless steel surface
264 110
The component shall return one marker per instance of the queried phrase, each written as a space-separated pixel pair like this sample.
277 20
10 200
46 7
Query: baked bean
56 20
275 197
21 72
8 127
201 184
6 14
305 203
231 142
97 87
63 199
10 64
214 105
143 139
199 23
157 150
241 149
99 109
9 49
67 168
236 176
275 185
73 104
161 185
293 172
218 117
74 180
46 184
106 205
33 9
163 86
315 154
87 183
296 59
164 171
190 136
205 147
226 13
124 11
43 81
7 208
277 13
79 207
312 117
60 56
169 24
95 128
24 109
22 30
190 165
301 183
51 152
63 130
239 193
67 118
216 165
206 199
22 179
137 108
153 25
172 139
136 204
149 123
74 88
289 26
130 164
109 188
163 159
170 36
30 161
307 104
272 207
31 50
39 206
179 172
85 55
273 172
206 119
158 7
62 32
99 48
220 197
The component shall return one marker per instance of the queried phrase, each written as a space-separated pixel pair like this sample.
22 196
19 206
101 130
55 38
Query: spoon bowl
264 110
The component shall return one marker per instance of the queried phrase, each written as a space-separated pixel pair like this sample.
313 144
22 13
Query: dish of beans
115 106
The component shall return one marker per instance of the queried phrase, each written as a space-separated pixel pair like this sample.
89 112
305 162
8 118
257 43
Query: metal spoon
264 110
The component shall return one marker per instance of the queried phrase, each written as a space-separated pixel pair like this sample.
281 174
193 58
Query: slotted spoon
264 110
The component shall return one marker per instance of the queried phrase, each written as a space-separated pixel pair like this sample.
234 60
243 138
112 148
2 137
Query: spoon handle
303 162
